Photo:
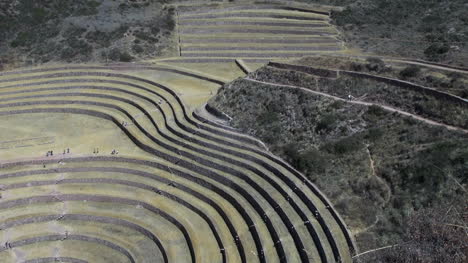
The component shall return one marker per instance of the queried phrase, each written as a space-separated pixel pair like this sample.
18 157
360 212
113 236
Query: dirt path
431 122
373 250
374 174
408 61
429 65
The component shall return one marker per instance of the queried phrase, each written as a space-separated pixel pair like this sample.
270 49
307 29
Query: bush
410 72
73 31
326 123
356 66
268 117
125 57
117 55
347 16
22 39
67 53
375 111
374 134
345 145
114 54
375 64
436 50
137 48
311 160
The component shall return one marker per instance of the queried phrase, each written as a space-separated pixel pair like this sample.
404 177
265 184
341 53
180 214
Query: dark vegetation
39 31
417 167
435 30
425 105
450 82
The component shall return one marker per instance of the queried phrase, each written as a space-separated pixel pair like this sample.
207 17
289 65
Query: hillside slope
426 29
36 32
377 167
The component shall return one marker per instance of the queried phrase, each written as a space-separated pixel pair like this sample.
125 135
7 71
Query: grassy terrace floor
234 31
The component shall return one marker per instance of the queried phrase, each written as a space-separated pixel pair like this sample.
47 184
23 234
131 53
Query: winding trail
388 108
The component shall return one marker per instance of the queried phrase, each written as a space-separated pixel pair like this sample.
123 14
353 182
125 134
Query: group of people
67 151
51 153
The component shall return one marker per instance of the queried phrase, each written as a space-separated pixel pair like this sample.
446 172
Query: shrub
125 57
410 72
67 53
73 31
375 64
347 16
155 30
376 111
22 39
356 66
123 7
268 117
311 160
114 54
337 104
39 15
374 134
118 55
345 145
137 48
326 123
436 50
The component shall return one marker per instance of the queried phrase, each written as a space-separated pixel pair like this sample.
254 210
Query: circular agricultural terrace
149 178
